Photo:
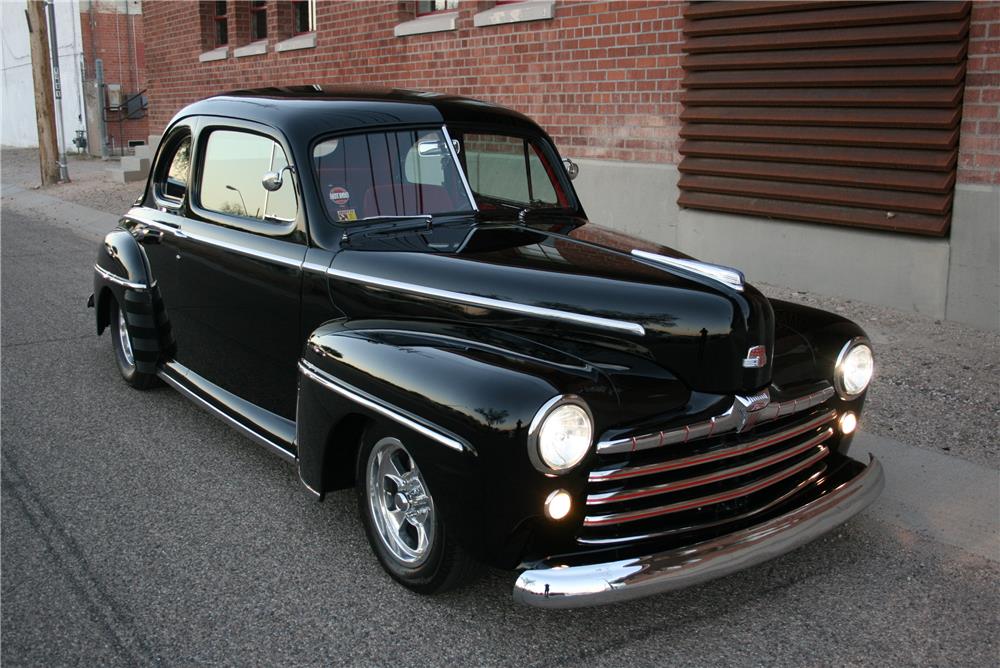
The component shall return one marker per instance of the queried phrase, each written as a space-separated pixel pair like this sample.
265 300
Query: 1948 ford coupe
399 292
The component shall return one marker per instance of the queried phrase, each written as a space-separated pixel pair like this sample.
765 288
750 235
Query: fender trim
120 281
384 409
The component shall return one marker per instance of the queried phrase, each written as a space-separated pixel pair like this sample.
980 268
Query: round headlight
563 436
855 366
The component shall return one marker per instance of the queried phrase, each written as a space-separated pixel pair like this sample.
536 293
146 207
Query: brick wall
979 150
602 78
118 39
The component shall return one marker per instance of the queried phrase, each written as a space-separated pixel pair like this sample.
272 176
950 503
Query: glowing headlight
855 366
561 436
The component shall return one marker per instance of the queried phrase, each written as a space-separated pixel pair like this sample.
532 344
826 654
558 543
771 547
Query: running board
282 429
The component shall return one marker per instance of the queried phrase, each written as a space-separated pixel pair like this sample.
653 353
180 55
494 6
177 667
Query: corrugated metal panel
838 112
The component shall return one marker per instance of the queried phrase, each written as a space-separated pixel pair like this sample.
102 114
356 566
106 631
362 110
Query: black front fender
460 401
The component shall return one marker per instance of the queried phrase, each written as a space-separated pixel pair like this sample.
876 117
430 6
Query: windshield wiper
381 223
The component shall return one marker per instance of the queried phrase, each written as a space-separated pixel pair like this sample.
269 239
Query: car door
240 266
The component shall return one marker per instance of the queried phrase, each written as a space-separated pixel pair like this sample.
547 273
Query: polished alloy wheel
401 507
124 338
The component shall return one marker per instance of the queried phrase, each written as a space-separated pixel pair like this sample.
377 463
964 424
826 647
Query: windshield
509 171
389 174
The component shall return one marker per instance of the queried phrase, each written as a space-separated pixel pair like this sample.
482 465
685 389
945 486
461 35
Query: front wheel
404 527
121 342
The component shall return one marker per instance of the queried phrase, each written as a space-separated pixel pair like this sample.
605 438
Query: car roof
304 112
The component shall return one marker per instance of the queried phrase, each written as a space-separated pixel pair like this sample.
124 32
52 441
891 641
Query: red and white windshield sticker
339 196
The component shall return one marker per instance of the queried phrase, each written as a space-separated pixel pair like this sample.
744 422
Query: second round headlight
565 437
854 371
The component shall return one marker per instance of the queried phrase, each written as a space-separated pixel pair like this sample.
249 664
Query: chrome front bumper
597 584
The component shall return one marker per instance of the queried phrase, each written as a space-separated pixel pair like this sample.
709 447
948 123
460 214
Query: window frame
204 129
161 168
417 13
220 19
319 139
310 16
256 9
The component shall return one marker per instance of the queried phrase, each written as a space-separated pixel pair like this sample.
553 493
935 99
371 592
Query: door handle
150 236
173 228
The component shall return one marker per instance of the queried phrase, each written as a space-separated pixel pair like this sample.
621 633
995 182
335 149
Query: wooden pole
41 72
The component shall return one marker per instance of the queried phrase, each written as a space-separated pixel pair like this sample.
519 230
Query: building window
431 6
303 16
258 20
220 23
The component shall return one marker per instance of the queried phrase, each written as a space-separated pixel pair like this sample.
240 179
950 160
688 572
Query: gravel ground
935 385
90 183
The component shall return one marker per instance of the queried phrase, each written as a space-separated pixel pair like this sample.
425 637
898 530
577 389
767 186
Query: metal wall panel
845 113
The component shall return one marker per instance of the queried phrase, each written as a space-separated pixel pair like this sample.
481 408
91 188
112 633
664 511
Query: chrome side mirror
572 168
272 180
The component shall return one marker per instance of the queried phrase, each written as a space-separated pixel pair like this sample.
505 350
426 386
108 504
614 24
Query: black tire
444 565
125 352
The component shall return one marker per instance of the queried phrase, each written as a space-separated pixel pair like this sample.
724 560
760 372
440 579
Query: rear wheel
121 342
404 527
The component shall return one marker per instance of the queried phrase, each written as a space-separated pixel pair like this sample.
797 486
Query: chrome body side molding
731 278
738 417
595 584
166 374
393 413
140 215
120 281
488 302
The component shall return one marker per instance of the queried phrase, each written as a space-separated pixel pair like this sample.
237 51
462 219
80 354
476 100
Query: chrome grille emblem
746 408
756 358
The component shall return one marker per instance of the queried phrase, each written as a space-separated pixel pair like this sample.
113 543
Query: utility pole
57 80
41 72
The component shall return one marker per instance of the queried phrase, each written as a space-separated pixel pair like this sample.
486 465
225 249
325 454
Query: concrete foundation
956 278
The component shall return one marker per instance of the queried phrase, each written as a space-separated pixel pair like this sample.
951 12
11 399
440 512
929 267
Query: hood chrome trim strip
731 278
488 302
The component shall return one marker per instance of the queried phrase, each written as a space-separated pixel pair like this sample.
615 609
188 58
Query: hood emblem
756 358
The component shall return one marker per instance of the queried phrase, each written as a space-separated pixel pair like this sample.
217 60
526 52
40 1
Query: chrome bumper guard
597 584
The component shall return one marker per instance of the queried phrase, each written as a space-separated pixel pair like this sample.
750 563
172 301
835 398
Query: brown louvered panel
890 179
945 53
841 113
879 117
818 213
708 10
824 155
886 200
826 17
931 96
928 75
855 37
785 134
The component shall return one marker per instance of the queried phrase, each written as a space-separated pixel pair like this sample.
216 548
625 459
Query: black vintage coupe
399 292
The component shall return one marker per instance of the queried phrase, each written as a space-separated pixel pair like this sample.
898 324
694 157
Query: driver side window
231 177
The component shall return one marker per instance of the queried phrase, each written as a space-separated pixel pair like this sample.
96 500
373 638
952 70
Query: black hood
568 286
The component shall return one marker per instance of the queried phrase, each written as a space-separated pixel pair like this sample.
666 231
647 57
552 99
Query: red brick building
746 133
112 32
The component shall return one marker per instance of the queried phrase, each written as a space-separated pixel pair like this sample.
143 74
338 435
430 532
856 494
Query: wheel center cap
402 501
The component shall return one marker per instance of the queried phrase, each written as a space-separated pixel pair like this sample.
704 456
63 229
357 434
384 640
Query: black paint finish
376 310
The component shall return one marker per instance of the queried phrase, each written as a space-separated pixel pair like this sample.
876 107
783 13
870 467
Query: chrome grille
705 482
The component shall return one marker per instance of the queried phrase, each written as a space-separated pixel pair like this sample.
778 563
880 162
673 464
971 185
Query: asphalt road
137 529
